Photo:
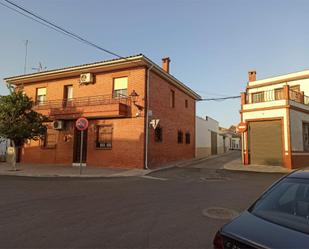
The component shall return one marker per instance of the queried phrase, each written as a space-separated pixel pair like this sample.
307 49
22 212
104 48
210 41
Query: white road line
155 178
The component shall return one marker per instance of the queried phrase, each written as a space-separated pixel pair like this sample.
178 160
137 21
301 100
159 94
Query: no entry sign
82 124
242 127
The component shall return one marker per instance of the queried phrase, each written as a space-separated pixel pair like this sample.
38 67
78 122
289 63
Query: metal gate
265 142
214 142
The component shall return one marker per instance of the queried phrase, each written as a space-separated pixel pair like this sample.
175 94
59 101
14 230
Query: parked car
278 219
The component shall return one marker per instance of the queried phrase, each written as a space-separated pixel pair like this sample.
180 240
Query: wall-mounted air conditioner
86 78
58 125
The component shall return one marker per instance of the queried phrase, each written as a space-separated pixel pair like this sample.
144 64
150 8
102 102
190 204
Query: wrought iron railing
276 94
83 101
265 96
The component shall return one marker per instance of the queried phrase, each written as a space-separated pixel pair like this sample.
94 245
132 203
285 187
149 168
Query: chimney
252 75
166 64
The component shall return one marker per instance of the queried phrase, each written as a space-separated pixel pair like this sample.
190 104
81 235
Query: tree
18 122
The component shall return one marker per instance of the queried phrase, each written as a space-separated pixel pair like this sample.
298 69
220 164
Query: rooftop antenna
39 68
26 54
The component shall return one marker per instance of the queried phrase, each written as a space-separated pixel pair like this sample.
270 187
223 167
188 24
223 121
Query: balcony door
67 95
77 146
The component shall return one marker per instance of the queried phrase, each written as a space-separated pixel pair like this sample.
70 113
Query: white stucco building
209 140
276 113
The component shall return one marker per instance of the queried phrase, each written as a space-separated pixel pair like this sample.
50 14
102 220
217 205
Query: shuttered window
188 138
104 137
180 137
50 138
158 134
120 87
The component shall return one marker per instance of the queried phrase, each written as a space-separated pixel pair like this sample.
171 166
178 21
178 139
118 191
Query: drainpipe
147 116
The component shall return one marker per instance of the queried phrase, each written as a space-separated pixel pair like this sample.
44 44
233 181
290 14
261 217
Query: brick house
276 113
115 96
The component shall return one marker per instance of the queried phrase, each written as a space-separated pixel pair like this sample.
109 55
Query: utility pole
26 54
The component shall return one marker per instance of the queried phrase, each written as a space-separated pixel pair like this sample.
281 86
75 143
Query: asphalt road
164 210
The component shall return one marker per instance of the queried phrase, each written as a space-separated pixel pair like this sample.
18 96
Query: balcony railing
94 106
276 94
83 101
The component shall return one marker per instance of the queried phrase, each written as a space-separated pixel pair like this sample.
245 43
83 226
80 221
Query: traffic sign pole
81 152
82 125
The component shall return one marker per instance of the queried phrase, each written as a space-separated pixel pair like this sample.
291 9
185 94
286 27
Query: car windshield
286 204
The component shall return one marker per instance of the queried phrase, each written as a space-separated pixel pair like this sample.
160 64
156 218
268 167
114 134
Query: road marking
155 178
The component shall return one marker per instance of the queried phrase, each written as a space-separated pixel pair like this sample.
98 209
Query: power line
220 99
55 27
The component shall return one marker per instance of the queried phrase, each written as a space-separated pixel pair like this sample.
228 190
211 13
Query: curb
235 165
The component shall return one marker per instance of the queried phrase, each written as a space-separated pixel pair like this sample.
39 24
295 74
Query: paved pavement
165 209
237 165
68 171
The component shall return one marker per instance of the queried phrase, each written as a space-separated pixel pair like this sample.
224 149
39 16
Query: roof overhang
110 65
279 79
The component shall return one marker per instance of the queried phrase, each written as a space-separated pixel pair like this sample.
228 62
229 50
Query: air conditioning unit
86 78
58 125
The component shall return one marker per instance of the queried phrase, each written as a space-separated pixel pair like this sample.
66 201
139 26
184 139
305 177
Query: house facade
210 139
139 115
275 113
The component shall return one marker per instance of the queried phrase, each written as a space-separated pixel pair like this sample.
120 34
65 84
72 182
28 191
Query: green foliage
18 121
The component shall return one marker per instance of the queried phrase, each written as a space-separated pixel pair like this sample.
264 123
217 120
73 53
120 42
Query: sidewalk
238 166
43 170
68 171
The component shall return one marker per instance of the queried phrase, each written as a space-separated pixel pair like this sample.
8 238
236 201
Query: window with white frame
41 95
120 87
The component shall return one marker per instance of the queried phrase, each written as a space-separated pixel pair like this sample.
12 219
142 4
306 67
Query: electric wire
56 27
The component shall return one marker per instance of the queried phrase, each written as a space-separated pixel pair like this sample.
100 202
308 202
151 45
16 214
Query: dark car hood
250 228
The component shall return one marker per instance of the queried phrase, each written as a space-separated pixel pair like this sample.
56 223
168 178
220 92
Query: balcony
275 97
91 107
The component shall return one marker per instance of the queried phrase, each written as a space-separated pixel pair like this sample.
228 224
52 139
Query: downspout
147 117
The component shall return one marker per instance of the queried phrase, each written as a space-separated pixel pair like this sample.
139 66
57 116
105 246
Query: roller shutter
265 142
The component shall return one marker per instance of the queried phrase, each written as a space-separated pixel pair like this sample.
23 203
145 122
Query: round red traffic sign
242 127
82 124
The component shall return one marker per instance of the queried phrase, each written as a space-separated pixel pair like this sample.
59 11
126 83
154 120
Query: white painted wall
236 143
203 131
297 119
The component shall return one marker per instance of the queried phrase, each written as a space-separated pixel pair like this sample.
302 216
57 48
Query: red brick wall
171 120
128 133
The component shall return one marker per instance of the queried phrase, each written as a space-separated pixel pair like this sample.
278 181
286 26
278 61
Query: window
120 87
279 94
258 97
180 137
104 137
186 103
285 204
306 136
50 138
172 99
41 95
68 95
188 138
158 134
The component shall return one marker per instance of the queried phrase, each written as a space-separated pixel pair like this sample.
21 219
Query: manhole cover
220 213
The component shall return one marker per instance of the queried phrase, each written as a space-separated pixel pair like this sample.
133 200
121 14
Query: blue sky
212 43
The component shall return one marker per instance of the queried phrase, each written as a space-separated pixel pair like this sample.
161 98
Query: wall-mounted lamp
134 96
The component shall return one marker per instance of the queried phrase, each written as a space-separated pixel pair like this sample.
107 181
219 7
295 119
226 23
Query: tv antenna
26 54
40 68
